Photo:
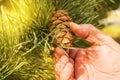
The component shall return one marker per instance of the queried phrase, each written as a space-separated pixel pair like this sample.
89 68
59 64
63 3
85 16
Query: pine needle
25 42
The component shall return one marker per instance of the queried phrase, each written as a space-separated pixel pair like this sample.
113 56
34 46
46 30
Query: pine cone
62 34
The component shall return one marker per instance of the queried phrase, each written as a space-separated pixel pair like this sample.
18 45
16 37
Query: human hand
98 62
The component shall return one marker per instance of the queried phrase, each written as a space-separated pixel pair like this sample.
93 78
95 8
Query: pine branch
25 41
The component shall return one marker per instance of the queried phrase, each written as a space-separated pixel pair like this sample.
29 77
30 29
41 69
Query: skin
98 62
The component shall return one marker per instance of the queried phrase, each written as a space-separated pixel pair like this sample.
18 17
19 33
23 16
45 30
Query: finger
73 52
60 64
80 69
81 56
87 31
67 72
72 77
58 53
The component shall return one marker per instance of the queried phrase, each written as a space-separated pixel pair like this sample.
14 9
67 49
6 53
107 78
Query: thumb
88 31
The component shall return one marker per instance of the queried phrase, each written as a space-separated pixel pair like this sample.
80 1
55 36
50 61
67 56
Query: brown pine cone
60 24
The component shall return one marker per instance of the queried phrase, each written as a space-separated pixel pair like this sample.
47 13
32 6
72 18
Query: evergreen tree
29 29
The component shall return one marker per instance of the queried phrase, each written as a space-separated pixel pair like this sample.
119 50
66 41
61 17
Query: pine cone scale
63 36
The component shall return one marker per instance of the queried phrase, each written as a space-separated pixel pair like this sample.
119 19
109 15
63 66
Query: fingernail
74 26
59 52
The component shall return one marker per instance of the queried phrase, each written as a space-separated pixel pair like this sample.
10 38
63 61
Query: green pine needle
25 42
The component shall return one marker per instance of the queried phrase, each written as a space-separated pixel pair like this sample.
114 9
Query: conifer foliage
30 28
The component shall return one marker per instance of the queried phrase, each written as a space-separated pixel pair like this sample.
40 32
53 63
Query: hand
98 62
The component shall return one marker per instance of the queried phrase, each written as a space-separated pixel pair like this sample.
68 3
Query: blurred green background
112 24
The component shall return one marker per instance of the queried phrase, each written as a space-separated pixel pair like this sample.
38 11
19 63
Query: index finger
89 32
